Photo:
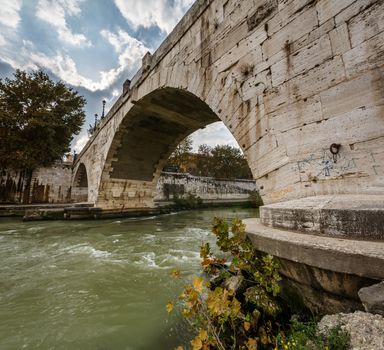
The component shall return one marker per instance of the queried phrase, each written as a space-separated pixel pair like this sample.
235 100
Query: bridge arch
80 184
145 139
258 73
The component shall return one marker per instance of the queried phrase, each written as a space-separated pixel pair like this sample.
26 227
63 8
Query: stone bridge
299 83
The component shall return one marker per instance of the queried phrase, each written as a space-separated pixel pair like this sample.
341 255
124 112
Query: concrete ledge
361 258
19 210
352 216
88 213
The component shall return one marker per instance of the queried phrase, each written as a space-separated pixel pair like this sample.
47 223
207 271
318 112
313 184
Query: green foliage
188 202
229 163
37 120
180 156
306 336
221 162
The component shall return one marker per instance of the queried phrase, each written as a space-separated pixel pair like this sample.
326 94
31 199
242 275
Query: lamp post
102 114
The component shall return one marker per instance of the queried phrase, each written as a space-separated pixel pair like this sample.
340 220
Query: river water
100 285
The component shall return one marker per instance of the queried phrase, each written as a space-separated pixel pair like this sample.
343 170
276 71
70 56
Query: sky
92 46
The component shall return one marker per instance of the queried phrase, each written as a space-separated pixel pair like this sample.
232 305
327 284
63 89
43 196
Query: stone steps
345 216
324 274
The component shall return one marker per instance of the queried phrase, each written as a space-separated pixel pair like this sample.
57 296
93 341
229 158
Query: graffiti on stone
326 165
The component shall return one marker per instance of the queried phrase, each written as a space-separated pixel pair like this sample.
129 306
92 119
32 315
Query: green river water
100 285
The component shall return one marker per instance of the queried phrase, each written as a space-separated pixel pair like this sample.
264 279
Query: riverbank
86 211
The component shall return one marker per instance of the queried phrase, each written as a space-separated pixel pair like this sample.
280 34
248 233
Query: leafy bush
306 336
235 304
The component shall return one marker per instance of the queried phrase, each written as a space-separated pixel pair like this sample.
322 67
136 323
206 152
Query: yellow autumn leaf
251 344
247 326
198 283
218 302
196 343
203 335
235 307
175 274
169 307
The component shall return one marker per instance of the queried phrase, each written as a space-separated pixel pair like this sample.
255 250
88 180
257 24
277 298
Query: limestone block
262 145
352 10
230 102
340 39
295 115
368 55
222 83
364 91
288 10
306 85
248 44
367 24
315 34
255 85
302 60
279 184
241 127
261 13
268 162
330 8
317 79
300 26
344 129
233 38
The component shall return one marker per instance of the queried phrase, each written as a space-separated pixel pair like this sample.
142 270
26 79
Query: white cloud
149 13
80 141
54 12
214 134
9 13
130 53
2 40
129 49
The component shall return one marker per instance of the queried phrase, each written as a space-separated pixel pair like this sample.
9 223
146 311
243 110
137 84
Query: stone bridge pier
300 85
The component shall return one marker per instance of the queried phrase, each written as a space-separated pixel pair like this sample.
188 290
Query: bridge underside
147 136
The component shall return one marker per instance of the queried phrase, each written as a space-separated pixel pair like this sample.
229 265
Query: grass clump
306 336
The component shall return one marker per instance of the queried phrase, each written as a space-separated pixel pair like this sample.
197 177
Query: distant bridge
299 83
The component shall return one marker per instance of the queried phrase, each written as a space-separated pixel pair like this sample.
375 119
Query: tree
204 160
181 155
229 163
38 118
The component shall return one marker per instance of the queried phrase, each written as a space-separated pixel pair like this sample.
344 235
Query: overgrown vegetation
306 336
189 202
236 304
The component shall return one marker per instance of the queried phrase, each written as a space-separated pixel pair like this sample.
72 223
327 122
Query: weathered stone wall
289 78
48 185
171 185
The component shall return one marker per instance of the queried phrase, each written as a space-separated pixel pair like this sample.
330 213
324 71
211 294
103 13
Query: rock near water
373 298
366 330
